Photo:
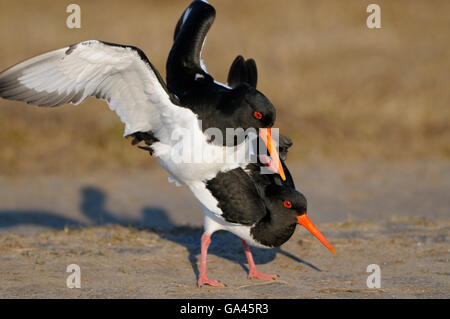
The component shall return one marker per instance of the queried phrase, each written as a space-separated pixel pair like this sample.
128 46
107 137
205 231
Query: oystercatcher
261 209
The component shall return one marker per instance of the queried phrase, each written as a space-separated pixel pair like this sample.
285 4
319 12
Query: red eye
258 115
287 204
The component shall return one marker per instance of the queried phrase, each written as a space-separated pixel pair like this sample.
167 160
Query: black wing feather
237 197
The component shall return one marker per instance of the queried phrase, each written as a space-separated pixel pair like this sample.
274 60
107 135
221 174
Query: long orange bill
266 136
306 222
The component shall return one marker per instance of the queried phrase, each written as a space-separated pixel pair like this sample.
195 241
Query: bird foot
255 274
204 280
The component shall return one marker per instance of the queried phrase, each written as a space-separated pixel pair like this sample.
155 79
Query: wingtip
206 5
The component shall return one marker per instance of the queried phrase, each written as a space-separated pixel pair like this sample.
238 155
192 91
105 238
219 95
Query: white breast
213 222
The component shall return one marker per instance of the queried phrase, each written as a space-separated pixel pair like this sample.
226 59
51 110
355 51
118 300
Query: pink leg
253 273
203 277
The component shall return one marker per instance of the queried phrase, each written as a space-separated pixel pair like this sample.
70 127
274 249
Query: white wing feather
117 74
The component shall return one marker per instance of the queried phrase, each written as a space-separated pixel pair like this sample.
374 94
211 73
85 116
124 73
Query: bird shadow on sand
152 219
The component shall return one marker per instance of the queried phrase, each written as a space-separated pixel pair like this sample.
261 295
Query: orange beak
306 222
266 136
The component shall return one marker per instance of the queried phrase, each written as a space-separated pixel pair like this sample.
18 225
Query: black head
284 207
286 201
248 108
237 112
288 207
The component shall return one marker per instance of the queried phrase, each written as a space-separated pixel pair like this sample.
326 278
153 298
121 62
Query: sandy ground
136 236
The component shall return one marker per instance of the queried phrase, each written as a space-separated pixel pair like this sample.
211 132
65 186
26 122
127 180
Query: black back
250 198
238 198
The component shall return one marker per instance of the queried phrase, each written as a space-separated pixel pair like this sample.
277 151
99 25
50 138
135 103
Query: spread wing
120 75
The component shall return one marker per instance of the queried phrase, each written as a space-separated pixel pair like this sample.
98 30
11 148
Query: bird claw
259 275
147 148
202 281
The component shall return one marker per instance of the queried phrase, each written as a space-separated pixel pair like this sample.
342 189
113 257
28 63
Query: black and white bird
262 209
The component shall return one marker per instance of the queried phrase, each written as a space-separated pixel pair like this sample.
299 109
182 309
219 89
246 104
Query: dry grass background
342 91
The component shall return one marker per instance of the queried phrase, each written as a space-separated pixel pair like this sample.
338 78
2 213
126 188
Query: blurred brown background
342 91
